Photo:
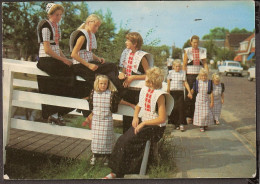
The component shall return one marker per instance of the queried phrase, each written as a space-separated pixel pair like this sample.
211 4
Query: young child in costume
218 94
176 80
103 101
204 101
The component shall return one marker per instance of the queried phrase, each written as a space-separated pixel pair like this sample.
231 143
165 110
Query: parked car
230 67
251 73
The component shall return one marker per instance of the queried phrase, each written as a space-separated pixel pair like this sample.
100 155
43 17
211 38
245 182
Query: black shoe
57 121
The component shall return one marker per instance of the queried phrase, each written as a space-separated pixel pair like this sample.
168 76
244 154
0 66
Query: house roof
234 39
252 49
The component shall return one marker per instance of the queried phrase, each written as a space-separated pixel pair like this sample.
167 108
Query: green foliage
177 53
216 33
160 54
225 54
186 44
237 30
211 49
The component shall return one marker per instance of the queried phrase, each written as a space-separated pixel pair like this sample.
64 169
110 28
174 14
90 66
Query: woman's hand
190 95
135 122
92 67
211 105
139 127
222 101
67 62
121 76
101 60
128 81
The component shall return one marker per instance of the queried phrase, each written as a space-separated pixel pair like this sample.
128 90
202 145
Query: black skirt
60 82
127 155
177 115
190 103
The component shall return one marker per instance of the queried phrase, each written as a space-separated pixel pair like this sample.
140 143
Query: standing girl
194 59
218 94
54 63
103 101
127 154
176 81
134 63
204 101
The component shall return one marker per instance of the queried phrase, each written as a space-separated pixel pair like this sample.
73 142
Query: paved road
227 150
239 109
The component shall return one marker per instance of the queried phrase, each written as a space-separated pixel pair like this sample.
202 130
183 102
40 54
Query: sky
173 22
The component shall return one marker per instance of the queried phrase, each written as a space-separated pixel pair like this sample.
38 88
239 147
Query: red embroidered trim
148 96
129 64
196 56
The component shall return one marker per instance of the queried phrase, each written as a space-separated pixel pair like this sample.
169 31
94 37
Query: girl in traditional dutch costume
203 116
218 94
54 63
176 80
103 101
134 63
127 154
194 59
85 63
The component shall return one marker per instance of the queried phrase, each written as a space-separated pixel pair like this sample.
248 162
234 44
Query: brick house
232 41
246 51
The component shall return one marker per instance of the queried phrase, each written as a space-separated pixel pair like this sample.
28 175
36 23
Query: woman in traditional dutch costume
194 59
53 62
218 94
127 154
203 116
103 101
176 80
134 63
85 63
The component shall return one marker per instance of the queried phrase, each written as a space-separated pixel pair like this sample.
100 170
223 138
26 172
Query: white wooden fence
33 100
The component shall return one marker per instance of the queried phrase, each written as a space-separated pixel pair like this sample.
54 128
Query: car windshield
234 64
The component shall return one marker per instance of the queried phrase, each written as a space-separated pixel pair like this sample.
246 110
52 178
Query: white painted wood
52 129
7 107
145 158
25 83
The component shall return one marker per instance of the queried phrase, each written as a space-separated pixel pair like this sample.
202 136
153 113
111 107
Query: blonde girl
204 101
218 94
53 62
127 154
103 101
85 63
176 81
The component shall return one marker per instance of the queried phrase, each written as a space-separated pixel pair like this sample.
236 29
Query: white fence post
7 106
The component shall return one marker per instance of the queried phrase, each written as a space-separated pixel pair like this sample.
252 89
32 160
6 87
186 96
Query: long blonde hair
203 71
110 84
91 18
215 76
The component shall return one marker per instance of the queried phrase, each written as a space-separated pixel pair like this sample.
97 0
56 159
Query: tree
160 54
177 53
211 49
216 33
237 30
186 44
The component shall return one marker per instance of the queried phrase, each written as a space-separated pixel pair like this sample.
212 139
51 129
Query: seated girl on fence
103 101
127 154
204 101
61 79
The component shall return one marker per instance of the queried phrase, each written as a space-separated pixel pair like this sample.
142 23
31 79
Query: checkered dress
102 124
147 101
203 114
217 89
177 79
195 55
